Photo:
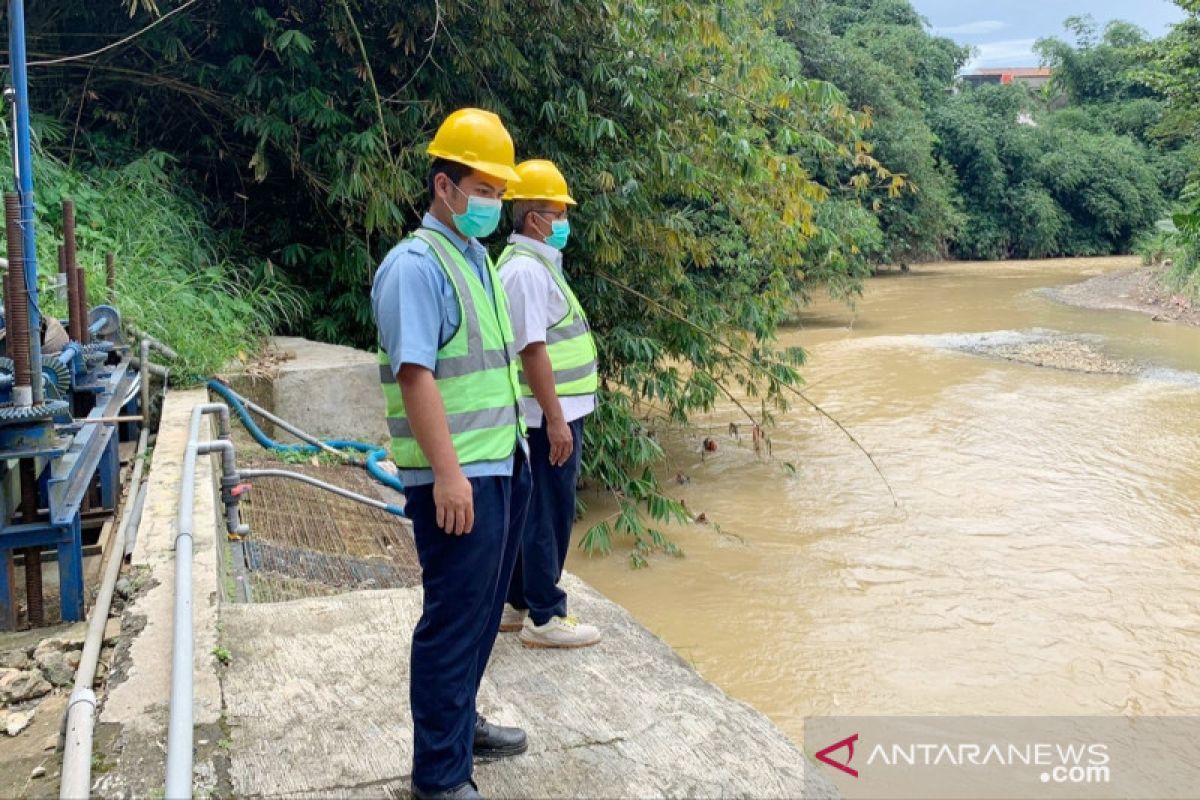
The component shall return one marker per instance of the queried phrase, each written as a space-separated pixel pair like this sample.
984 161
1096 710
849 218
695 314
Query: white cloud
966 29
1005 53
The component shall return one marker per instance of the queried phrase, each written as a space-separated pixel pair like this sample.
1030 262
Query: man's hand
561 441
452 495
455 503
536 363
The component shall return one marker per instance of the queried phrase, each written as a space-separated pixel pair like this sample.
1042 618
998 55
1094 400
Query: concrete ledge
317 703
133 721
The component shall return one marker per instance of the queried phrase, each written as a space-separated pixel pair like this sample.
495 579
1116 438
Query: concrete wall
329 390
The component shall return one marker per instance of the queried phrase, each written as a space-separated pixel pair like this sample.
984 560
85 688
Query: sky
1003 31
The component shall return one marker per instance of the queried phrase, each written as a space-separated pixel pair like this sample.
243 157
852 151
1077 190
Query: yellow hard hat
540 180
478 139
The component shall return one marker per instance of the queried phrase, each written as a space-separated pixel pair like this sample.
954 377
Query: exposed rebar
81 282
33 555
16 301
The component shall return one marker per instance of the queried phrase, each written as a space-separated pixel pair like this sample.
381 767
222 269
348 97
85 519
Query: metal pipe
110 276
144 369
108 420
34 608
75 318
23 162
83 303
81 708
157 370
179 726
60 288
155 343
320 484
292 429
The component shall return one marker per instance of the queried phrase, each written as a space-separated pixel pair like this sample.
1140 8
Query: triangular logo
848 743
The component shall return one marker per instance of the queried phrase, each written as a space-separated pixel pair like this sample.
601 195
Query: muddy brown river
1044 556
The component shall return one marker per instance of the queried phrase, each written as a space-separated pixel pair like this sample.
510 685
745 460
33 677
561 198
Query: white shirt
535 304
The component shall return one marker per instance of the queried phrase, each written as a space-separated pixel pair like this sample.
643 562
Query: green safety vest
569 341
476 371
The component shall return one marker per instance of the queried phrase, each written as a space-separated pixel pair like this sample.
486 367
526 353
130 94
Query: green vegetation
1174 73
880 54
733 158
1045 188
222 654
174 277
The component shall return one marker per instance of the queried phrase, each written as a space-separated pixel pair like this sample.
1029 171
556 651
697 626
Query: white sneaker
565 632
512 619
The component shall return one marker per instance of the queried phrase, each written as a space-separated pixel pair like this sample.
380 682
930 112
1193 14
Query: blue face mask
481 217
560 231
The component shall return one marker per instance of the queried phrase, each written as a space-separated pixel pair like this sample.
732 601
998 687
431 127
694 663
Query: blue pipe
374 454
23 161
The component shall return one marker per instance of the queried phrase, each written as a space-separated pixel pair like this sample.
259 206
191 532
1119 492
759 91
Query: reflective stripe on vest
476 371
569 341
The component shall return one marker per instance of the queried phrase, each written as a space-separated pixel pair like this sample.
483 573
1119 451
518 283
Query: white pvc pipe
179 725
81 708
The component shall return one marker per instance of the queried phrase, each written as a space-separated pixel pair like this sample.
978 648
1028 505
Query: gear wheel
57 373
53 408
6 365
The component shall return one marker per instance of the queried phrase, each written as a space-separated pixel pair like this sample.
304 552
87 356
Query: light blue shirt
416 313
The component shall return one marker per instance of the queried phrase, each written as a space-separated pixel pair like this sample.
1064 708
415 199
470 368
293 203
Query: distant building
1033 77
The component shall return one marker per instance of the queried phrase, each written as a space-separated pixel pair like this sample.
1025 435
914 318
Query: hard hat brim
556 198
501 171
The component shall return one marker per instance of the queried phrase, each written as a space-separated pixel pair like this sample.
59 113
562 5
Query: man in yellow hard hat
450 381
558 391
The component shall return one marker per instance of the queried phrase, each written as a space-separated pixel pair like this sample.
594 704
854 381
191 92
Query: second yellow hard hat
540 180
478 139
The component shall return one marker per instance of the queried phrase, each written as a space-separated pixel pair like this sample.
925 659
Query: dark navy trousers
547 536
465 580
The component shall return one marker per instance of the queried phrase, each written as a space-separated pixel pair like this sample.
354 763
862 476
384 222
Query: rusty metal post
110 274
63 281
33 556
16 302
76 324
81 282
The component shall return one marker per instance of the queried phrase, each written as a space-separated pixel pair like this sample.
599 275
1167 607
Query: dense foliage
1046 187
880 54
1174 72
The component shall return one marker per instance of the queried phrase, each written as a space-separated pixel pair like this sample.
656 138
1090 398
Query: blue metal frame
68 456
66 471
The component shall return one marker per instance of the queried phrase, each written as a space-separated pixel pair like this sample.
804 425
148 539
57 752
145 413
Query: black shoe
464 791
495 741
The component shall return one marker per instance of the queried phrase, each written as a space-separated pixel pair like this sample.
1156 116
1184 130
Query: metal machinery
62 395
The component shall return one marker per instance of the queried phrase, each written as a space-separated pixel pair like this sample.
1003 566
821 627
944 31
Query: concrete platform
317 706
